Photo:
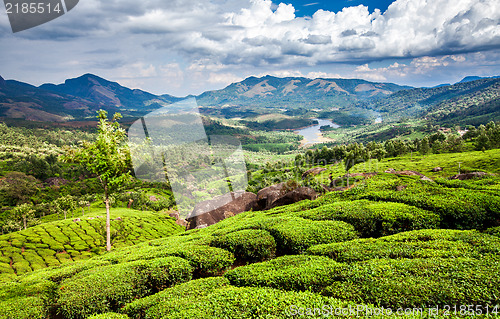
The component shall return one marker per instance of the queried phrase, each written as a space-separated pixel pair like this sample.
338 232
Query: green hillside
55 243
392 241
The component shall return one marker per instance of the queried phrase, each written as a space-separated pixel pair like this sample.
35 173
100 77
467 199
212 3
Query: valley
359 195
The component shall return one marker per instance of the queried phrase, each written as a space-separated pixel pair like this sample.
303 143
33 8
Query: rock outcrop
467 176
212 211
280 194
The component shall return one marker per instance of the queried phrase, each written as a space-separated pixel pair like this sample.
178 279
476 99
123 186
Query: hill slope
295 91
109 94
56 243
440 101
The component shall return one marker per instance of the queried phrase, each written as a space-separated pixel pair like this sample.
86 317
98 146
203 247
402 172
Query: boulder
466 176
174 215
279 195
437 169
297 195
212 211
267 196
76 220
181 222
313 171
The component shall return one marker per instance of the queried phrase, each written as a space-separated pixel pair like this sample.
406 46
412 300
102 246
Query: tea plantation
56 243
392 246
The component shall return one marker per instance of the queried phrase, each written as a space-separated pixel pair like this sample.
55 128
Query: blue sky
186 47
309 7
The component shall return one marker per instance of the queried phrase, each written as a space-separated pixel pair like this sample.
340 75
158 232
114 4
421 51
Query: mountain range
80 97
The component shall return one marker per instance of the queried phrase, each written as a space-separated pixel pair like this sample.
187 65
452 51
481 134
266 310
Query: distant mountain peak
2 82
471 78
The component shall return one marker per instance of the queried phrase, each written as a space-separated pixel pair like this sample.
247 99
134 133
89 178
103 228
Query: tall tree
108 157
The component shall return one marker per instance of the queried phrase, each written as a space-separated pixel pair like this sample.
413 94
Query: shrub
179 296
299 272
109 315
295 235
206 260
104 289
23 308
419 282
248 245
495 231
372 219
415 244
458 208
214 298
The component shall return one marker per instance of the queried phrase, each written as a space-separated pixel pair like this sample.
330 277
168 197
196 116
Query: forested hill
75 99
462 101
297 91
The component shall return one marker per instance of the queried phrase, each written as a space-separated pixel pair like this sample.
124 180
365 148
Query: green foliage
458 208
109 315
295 235
419 282
249 245
207 261
23 308
375 219
107 288
300 272
495 231
56 243
414 244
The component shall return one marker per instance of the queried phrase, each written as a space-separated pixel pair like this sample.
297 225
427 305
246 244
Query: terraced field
56 243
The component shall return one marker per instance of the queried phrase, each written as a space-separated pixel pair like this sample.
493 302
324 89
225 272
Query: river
312 134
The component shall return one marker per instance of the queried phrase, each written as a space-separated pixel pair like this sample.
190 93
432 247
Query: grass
55 243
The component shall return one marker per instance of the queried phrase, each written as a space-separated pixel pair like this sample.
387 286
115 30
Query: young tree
108 157
66 204
24 213
356 154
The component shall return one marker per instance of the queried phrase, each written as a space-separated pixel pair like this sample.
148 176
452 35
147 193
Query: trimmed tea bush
420 282
495 231
214 298
56 243
458 208
23 308
299 272
415 244
295 235
249 245
178 297
109 315
105 289
206 260
375 219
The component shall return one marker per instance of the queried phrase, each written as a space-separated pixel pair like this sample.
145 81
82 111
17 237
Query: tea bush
295 235
375 219
298 272
215 298
249 245
23 308
419 282
415 244
109 315
107 288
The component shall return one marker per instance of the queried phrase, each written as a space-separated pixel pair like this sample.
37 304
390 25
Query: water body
312 134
